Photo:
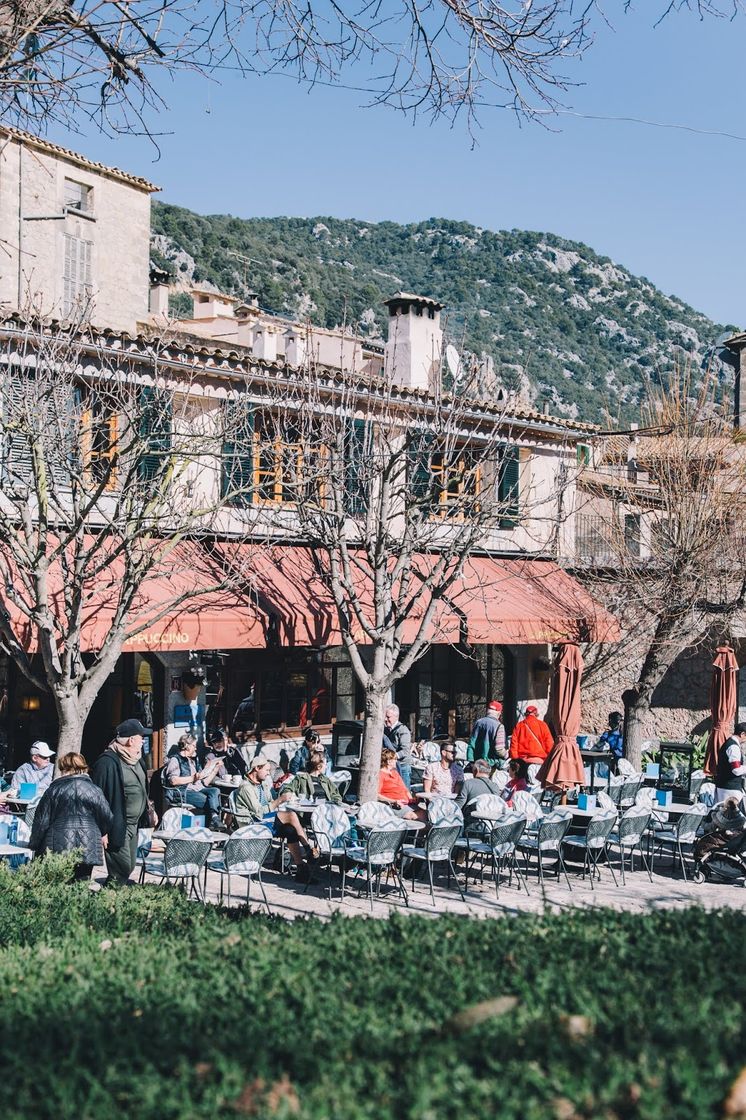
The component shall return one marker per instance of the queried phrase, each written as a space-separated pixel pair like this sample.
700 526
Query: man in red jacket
531 740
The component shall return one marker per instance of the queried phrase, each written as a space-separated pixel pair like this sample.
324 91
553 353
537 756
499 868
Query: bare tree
393 492
668 547
100 452
66 60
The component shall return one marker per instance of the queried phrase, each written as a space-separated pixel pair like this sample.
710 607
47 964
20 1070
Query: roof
233 360
75 157
411 297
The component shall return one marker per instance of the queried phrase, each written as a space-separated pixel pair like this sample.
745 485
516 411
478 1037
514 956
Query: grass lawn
137 1004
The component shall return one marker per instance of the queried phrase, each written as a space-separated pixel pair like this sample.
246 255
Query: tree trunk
636 709
71 718
370 756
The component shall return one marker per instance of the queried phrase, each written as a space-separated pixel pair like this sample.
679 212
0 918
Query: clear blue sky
666 203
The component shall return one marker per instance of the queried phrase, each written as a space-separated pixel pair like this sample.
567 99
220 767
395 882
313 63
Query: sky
665 202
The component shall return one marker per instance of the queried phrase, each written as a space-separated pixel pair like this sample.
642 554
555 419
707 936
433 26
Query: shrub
137 1002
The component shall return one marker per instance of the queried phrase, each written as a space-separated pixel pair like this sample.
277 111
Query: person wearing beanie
531 739
488 737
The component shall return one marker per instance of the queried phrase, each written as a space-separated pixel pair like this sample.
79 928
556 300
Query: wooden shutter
419 465
77 277
358 445
155 431
17 456
508 488
237 460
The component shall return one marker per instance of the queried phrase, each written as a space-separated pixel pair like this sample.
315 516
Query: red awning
280 600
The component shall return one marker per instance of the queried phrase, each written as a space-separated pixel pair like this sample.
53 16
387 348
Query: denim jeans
205 799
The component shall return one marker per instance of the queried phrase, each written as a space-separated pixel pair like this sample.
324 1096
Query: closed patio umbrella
563 766
723 700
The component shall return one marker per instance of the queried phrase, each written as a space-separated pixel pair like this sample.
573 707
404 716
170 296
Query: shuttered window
508 487
17 410
237 460
77 283
357 448
420 467
155 416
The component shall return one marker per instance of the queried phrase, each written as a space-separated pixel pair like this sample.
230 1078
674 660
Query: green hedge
137 1003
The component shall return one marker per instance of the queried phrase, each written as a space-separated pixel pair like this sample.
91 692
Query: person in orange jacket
531 740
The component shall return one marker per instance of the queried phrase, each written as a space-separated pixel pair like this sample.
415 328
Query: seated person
181 773
39 771
392 790
444 778
255 804
477 784
613 737
518 779
313 783
230 761
311 742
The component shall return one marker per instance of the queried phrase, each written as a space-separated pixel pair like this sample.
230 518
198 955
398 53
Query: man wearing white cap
39 771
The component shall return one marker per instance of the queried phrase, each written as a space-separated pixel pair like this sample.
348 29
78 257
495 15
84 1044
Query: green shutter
508 488
237 466
357 449
419 466
155 430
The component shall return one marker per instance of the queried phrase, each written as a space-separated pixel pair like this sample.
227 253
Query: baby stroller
719 853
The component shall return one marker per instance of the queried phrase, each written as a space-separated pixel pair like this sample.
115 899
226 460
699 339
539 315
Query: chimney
158 302
265 342
415 341
212 305
296 347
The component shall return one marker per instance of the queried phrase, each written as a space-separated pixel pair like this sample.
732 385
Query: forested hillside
563 324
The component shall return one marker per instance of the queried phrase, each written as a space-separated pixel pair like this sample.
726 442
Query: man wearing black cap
120 774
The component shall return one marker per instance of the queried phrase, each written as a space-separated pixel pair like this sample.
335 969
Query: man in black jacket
121 777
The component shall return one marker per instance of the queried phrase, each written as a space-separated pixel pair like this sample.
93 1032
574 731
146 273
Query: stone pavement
288 900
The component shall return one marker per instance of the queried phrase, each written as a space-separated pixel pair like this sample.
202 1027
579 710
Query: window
357 451
444 483
98 438
237 473
632 534
508 487
155 432
78 196
584 455
77 284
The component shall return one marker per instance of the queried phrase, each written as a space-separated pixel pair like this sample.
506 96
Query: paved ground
289 900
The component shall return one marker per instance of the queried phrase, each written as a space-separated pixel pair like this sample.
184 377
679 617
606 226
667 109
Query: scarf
130 755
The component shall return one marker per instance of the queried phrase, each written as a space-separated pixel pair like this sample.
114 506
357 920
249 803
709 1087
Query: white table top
14 849
227 783
675 809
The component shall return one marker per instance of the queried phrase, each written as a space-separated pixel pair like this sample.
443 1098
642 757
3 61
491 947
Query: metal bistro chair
630 790
342 780
330 824
443 810
439 844
183 860
244 854
379 853
546 844
696 782
628 836
501 849
594 843
681 835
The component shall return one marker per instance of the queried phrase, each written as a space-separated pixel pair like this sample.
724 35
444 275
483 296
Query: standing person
400 740
730 770
120 775
196 785
613 737
531 739
488 737
444 778
73 813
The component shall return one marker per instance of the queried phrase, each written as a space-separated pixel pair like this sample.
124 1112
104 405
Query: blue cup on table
581 740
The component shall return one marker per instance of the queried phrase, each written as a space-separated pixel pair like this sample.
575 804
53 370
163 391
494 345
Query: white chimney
296 347
415 341
212 305
265 342
159 300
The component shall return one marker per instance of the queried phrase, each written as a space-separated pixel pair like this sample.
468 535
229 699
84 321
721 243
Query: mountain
563 325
